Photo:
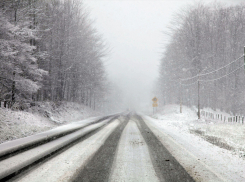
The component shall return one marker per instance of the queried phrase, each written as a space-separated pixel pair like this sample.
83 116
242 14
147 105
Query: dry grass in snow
18 124
229 136
225 135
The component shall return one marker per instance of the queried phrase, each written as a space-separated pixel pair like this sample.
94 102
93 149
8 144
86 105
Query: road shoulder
196 168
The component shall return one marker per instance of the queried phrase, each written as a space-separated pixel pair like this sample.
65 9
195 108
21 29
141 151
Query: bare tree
205 38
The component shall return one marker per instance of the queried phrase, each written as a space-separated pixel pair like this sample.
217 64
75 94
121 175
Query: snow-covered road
64 166
133 148
133 162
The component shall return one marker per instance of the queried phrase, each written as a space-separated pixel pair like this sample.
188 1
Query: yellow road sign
154 104
154 99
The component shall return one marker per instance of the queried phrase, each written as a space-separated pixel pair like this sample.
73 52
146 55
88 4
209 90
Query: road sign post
154 105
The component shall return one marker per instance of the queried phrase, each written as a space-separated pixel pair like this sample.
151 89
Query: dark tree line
205 38
49 51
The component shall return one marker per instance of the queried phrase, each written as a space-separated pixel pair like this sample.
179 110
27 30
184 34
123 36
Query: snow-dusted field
45 116
18 124
227 163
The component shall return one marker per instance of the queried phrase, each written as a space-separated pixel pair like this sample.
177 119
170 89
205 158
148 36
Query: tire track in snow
166 166
64 166
132 162
99 167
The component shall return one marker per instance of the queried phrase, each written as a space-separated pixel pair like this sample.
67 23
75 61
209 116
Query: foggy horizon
134 31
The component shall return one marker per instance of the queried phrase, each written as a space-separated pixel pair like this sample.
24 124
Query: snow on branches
18 56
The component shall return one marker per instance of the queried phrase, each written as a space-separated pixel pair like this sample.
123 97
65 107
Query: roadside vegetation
51 65
204 58
229 136
50 51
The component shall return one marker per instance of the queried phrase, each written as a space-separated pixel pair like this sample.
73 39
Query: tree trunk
13 89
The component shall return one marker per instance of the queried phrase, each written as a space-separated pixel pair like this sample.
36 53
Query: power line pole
198 105
180 97
244 57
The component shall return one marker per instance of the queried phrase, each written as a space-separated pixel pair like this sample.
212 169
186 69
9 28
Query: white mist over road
133 29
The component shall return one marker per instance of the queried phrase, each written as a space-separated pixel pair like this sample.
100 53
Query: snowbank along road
121 147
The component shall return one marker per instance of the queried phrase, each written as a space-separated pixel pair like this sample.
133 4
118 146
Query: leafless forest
206 49
49 51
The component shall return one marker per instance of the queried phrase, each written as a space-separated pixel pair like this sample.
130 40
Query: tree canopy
50 51
206 40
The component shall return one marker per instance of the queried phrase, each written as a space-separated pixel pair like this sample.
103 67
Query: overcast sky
133 29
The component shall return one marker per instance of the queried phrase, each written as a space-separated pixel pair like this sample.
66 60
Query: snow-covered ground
42 117
225 157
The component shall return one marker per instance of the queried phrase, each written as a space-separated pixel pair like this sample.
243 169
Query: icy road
128 148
